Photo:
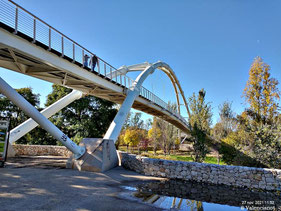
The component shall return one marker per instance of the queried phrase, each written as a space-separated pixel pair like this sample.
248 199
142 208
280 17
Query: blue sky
209 44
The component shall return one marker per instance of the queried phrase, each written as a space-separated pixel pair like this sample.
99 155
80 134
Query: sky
208 44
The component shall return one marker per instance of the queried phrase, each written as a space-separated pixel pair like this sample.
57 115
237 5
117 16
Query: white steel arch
37 55
166 69
116 125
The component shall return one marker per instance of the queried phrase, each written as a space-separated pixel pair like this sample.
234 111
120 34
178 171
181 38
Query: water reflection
175 203
183 195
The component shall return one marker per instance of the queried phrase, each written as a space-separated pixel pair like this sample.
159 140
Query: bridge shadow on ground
37 184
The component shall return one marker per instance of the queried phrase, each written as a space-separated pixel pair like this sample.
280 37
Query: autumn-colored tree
120 140
143 140
154 134
131 138
261 91
257 131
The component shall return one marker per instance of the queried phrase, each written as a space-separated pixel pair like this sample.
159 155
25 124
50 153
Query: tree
17 116
257 134
199 122
225 125
136 121
87 117
131 138
143 139
127 122
12 111
148 124
261 120
168 132
267 148
172 136
154 134
261 91
227 116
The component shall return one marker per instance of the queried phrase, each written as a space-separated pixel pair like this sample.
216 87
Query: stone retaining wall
238 176
37 150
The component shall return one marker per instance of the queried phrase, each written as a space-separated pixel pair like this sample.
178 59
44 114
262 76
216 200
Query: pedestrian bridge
30 46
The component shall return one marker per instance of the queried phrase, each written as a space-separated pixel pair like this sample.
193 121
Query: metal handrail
63 35
126 82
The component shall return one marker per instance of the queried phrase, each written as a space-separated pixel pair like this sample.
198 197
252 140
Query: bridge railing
41 33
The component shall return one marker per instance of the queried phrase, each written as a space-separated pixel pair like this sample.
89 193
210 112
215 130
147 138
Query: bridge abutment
100 156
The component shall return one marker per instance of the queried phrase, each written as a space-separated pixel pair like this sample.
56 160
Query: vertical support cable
16 20
83 57
73 56
62 47
104 69
50 43
34 30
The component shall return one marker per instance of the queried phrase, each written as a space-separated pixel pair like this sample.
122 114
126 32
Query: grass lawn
2 147
173 156
208 159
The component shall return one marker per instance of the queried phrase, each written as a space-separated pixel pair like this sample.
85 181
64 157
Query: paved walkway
43 183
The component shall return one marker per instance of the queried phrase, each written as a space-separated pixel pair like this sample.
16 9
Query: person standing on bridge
86 57
94 60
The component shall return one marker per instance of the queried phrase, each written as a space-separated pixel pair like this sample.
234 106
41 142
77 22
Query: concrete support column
30 124
116 125
22 103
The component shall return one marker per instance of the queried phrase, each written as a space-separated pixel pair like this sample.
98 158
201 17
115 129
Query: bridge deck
39 58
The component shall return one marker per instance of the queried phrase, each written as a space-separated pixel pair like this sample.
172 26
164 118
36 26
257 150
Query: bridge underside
25 62
51 56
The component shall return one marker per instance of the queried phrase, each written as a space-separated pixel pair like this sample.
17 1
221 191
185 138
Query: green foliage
255 140
201 112
218 131
86 117
10 110
136 121
200 121
208 159
17 116
267 148
226 123
261 122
